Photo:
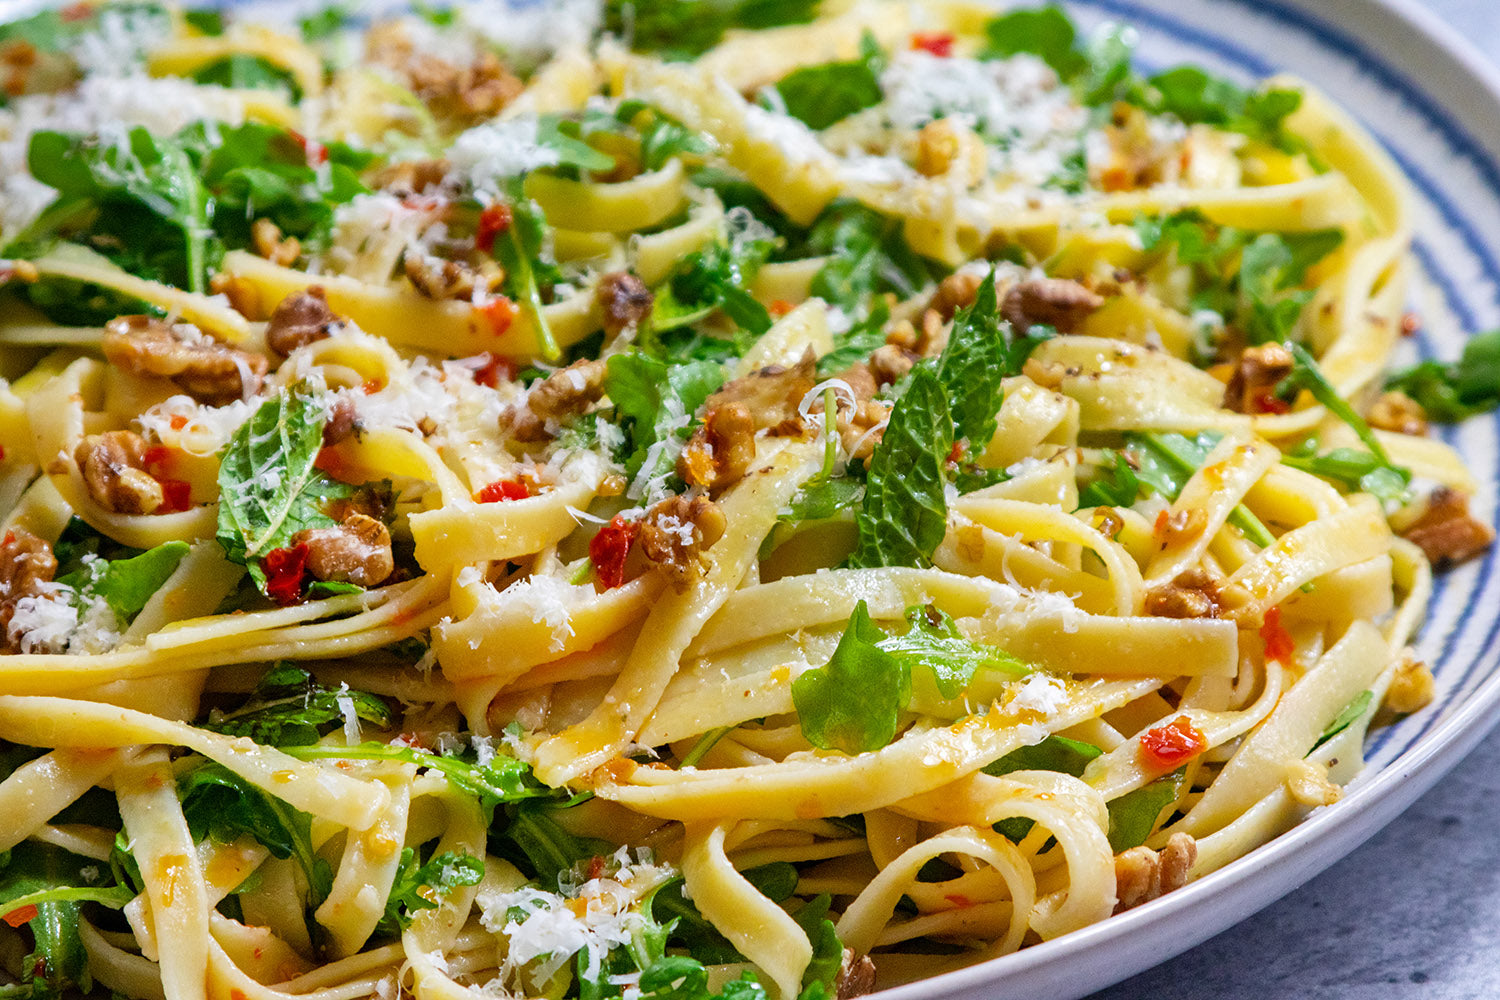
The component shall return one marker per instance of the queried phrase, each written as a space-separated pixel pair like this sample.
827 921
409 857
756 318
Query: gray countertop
1415 912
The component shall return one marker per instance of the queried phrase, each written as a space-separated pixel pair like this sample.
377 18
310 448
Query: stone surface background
1415 912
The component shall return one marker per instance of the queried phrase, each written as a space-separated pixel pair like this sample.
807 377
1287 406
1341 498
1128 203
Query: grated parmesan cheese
1038 693
486 156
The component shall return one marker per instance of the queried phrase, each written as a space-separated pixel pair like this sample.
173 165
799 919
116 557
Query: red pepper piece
609 549
1168 746
284 569
503 489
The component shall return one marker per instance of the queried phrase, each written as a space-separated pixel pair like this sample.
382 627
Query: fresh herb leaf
58 963
415 886
1133 815
521 250
934 643
1165 462
205 20
905 513
1449 392
1196 97
269 489
247 72
973 364
1355 469
1117 486
288 708
717 277
126 581
563 136
1346 718
857 343
1044 32
220 805
1271 266
685 29
868 255
828 951
687 927
822 95
663 138
326 22
1055 753
1307 375
852 703
656 399
549 848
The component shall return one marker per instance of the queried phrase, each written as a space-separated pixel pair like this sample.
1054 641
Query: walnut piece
26 566
955 292
300 319
1412 688
1142 874
567 391
357 551
266 240
1446 532
676 532
205 369
1057 302
114 470
1396 411
856 976
1257 373
625 300
1192 594
720 452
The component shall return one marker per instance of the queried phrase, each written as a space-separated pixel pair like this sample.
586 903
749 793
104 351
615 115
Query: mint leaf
822 95
852 703
934 643
1133 815
1055 753
437 877
869 256
1044 32
905 512
1449 392
973 364
268 487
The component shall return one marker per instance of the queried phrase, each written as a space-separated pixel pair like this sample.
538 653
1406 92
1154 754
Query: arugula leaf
220 805
522 250
1345 718
1307 375
828 951
126 579
57 883
1355 469
1164 462
905 513
685 29
288 708
1197 97
974 363
204 20
1055 753
857 343
268 487
415 886
716 277
326 22
869 256
1133 815
1044 32
549 848
687 927
1117 487
822 95
1449 392
563 136
934 643
247 72
655 399
663 138
852 703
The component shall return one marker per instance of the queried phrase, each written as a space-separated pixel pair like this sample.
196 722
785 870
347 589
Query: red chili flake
1170 745
1159 529
178 421
495 371
956 453
939 44
10 538
284 569
1269 403
176 496
959 901
500 312
781 307
503 489
158 460
20 915
1279 645
596 867
609 548
329 461
492 222
315 151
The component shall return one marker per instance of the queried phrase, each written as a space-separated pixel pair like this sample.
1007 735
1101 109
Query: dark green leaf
288 708
822 95
437 877
1133 815
868 255
857 343
852 703
1346 718
654 397
1307 375
244 71
268 486
551 849
58 963
127 584
205 20
1045 32
685 29
973 364
1456 391
1165 462
687 927
1116 487
905 513
325 22
1055 753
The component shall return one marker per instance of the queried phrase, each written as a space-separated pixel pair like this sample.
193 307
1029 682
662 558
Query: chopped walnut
1412 688
1142 874
720 452
1396 411
438 278
26 566
342 422
625 300
266 239
856 976
890 364
1446 531
300 319
1057 302
676 532
1193 594
477 90
205 369
114 470
411 176
1308 783
567 391
953 150
357 551
955 292
1138 158
772 394
1252 386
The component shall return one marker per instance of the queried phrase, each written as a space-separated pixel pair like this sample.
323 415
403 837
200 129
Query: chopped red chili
495 370
176 496
20 916
939 44
609 549
503 489
499 312
1168 746
284 569
1279 645
492 222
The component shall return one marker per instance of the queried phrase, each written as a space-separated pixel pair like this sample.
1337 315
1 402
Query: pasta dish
678 499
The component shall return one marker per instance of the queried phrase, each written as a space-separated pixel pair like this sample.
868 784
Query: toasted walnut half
357 551
205 369
114 470
26 566
676 532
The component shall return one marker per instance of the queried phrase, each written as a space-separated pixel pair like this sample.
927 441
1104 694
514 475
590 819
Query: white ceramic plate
1435 105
